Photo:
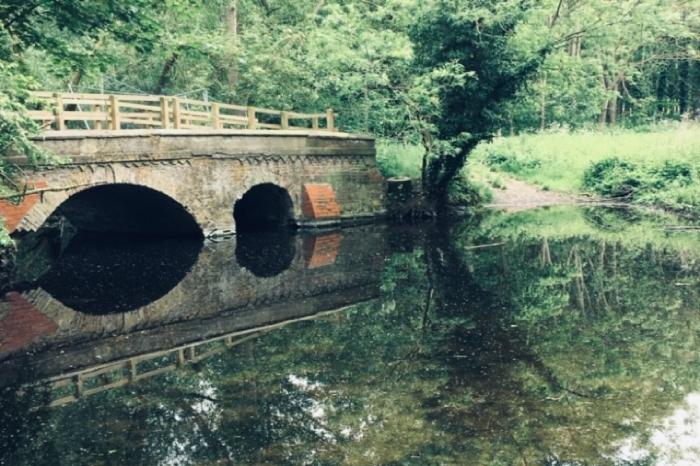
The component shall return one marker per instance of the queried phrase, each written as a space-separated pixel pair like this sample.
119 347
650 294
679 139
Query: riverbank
657 168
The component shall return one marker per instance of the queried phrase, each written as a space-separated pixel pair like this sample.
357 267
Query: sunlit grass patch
567 161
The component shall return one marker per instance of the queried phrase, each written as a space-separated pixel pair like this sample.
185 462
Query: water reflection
111 274
100 292
266 254
533 338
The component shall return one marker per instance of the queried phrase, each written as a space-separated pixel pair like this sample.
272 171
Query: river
558 336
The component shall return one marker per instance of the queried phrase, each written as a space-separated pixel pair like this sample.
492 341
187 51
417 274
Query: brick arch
34 209
264 205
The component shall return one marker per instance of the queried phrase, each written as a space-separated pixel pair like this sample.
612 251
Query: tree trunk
612 107
602 118
231 24
661 90
443 169
604 111
683 81
694 91
543 103
165 73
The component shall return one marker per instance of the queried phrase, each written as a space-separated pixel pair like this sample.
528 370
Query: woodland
442 75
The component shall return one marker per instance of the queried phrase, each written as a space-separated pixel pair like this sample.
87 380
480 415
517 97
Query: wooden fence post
176 113
78 386
98 122
216 121
164 113
60 122
314 122
284 120
114 112
330 120
251 117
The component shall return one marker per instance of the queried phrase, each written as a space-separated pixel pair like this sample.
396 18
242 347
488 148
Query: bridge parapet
92 146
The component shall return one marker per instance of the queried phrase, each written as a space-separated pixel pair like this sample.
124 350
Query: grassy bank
404 160
657 167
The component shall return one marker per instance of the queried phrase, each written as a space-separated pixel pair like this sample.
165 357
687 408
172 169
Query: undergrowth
660 167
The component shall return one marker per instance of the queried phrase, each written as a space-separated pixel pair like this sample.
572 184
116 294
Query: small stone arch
264 207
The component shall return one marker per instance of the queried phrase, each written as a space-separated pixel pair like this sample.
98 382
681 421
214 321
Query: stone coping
140 133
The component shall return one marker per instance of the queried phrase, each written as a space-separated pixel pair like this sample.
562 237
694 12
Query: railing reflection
102 377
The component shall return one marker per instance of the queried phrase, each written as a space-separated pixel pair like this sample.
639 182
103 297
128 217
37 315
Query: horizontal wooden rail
66 111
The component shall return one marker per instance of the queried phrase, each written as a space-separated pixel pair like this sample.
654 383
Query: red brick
22 325
321 250
14 213
319 201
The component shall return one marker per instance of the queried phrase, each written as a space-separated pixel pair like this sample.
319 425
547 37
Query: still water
561 336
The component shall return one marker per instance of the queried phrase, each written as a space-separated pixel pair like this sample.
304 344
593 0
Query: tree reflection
493 343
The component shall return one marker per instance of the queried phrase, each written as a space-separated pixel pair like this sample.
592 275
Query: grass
404 160
655 166
660 166
398 160
633 228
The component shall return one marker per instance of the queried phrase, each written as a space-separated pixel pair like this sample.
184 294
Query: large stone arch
127 208
37 208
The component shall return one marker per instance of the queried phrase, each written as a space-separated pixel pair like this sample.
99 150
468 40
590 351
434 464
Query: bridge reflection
53 332
70 387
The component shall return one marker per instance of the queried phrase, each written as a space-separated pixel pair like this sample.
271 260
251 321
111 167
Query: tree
69 34
471 55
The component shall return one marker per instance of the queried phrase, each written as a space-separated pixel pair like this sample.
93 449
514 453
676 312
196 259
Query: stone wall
208 171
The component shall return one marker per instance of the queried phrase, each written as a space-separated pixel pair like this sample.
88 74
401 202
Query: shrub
511 163
463 192
656 184
613 177
676 173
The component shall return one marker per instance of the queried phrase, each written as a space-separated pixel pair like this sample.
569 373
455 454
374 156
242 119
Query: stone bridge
199 181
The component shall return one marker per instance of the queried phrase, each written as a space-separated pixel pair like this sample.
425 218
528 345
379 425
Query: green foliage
489 62
613 178
624 63
671 184
64 34
397 159
463 192
5 239
656 166
445 73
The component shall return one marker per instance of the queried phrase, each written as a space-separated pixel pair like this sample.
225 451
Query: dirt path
518 195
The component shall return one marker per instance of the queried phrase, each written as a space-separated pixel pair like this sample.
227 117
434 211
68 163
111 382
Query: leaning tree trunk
441 170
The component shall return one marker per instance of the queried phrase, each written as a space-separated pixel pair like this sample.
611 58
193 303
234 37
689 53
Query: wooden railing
64 111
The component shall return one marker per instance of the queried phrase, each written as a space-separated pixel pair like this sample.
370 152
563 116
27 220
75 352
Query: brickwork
13 213
319 201
23 324
321 250
207 173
